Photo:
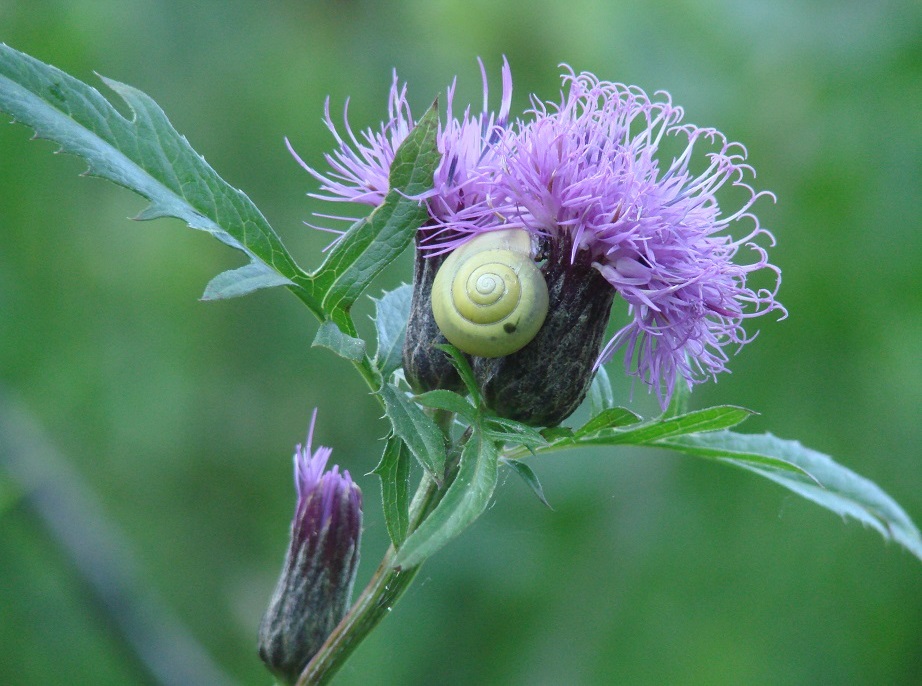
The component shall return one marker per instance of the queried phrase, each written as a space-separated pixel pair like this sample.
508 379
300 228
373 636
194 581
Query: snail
489 298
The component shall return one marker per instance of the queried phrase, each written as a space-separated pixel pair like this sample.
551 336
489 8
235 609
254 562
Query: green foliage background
652 568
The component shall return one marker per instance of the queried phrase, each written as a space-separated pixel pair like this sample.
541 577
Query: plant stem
373 604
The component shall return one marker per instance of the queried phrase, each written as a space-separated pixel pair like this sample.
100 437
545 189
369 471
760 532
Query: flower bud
315 587
544 382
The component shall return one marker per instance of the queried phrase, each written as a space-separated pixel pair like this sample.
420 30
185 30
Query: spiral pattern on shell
489 298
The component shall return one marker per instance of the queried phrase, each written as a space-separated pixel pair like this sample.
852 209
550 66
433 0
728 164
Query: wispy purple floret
591 168
360 164
463 180
315 587
325 498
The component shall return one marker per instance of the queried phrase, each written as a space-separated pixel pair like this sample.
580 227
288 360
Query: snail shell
489 298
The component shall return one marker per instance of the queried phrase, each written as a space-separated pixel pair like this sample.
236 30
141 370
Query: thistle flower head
315 587
590 173
613 178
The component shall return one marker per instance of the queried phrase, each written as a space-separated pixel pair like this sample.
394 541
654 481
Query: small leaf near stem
600 394
465 499
394 470
391 313
460 362
447 401
529 477
421 435
235 283
330 336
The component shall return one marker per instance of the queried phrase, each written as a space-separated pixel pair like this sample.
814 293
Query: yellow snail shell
489 298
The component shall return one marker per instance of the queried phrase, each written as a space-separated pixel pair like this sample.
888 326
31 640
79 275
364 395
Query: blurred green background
652 568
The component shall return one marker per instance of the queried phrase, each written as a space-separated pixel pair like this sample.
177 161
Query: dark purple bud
314 591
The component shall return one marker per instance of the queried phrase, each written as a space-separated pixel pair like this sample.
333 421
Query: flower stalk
388 583
374 603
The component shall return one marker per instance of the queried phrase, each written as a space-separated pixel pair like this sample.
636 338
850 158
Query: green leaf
607 419
419 432
529 477
373 243
449 401
394 470
329 335
460 362
710 419
514 432
243 281
600 394
465 500
391 314
146 155
813 475
557 433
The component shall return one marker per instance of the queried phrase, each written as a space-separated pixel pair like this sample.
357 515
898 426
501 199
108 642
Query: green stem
374 603
387 584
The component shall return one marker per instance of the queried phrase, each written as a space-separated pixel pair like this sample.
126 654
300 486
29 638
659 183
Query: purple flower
590 173
463 181
615 189
315 587
653 227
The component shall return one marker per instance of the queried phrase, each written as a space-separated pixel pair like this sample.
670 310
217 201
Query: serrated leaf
373 243
461 364
611 418
465 500
449 401
144 154
529 477
394 470
811 474
243 281
709 419
418 431
600 394
330 336
392 311
511 431
504 438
